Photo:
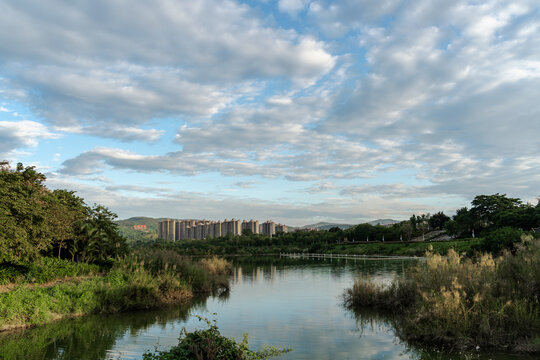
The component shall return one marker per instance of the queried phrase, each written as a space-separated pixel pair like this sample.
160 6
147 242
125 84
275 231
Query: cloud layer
354 101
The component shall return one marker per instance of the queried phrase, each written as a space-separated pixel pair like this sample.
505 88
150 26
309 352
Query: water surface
282 302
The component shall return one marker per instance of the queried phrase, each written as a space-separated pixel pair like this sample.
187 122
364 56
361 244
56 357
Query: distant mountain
326 226
151 223
383 222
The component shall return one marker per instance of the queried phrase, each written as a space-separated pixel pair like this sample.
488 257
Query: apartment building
176 230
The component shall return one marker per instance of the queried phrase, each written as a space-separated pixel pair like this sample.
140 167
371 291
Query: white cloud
94 63
216 206
292 7
21 134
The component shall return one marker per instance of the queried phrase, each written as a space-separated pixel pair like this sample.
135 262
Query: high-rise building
269 228
252 225
177 230
280 228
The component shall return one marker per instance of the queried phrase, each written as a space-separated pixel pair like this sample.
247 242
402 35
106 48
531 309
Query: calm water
294 303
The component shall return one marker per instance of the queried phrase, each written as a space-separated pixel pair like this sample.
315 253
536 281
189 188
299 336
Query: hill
383 222
326 226
150 233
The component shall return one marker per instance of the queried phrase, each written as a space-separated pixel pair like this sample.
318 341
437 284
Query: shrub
216 266
209 344
458 302
501 239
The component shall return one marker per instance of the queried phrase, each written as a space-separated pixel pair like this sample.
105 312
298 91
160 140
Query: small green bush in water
209 344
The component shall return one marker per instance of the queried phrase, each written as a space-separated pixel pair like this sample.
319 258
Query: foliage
23 233
121 289
216 266
203 276
35 221
457 302
209 344
486 207
125 227
501 239
43 270
142 280
438 220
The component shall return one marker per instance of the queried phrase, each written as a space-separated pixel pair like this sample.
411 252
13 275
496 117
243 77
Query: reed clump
216 266
142 280
458 302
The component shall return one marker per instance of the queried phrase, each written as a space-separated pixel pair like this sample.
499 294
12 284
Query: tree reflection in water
86 338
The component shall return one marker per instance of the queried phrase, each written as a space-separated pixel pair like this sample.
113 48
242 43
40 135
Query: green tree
438 220
462 223
65 214
23 232
486 207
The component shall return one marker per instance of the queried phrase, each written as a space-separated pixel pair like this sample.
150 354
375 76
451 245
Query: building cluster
202 229
139 227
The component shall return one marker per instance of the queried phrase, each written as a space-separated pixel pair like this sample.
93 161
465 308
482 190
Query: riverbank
461 303
224 247
144 280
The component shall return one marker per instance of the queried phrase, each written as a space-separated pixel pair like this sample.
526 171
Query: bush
216 266
209 344
459 303
501 239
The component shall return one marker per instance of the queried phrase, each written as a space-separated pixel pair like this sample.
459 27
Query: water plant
459 302
210 344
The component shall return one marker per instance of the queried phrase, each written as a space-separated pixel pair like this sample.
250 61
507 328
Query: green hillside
133 235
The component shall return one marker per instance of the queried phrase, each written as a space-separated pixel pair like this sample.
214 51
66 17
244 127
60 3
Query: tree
486 207
22 214
65 214
462 223
413 222
522 217
35 221
406 229
438 220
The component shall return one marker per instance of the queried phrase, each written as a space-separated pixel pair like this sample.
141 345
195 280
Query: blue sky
293 110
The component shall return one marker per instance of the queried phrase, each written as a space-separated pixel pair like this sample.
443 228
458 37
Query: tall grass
43 270
205 275
118 291
461 303
143 280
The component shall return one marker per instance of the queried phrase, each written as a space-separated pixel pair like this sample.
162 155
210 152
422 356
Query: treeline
487 214
54 237
496 219
36 222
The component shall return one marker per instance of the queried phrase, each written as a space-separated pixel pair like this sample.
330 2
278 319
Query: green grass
146 279
116 292
456 302
43 270
222 247
405 249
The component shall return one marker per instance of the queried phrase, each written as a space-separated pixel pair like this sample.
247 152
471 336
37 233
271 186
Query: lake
281 302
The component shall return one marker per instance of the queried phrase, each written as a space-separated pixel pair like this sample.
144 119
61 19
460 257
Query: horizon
299 111
260 221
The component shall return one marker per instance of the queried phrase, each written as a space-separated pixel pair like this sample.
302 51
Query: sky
297 111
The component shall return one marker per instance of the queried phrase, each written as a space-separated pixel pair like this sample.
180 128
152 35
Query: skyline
294 110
